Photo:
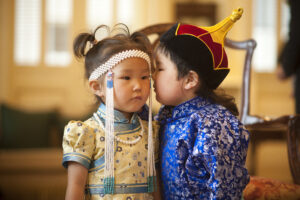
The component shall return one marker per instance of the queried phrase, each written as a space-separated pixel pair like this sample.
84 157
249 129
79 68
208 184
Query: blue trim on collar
121 123
119 117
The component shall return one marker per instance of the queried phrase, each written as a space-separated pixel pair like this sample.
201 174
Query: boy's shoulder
214 112
200 111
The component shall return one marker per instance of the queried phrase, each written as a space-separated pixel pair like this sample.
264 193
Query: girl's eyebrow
131 70
126 70
146 70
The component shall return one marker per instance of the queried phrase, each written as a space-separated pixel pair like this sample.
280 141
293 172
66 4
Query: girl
203 144
110 155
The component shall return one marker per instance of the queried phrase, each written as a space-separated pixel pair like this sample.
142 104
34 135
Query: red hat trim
217 50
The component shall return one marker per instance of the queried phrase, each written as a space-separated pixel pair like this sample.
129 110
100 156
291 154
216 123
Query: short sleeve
78 143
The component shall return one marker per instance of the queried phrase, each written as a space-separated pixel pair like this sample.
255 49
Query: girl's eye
125 77
145 77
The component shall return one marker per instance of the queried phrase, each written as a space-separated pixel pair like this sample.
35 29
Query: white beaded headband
116 59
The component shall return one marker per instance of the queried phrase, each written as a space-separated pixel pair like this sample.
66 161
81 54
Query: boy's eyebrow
157 60
146 70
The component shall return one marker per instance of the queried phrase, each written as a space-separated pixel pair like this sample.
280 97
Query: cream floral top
84 142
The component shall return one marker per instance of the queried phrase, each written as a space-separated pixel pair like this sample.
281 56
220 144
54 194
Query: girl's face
131 85
169 90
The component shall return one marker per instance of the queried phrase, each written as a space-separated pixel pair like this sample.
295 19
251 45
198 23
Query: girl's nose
137 85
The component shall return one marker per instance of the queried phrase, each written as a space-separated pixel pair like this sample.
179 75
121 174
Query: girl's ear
191 80
96 88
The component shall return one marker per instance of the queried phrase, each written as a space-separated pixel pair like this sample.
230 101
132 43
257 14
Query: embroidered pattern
84 143
204 150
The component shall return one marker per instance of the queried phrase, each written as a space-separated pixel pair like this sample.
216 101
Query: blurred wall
64 89
5 47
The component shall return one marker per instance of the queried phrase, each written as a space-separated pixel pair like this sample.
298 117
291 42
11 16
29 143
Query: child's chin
159 100
138 109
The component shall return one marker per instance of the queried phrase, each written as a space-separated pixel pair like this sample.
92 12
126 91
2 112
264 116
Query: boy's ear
191 80
96 88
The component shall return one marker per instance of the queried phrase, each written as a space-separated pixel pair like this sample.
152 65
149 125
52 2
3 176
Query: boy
203 144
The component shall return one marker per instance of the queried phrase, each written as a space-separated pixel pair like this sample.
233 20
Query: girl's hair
101 51
204 91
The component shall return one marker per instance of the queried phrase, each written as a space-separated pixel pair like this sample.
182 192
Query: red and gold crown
203 47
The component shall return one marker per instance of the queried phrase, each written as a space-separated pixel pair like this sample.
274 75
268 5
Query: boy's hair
101 51
204 90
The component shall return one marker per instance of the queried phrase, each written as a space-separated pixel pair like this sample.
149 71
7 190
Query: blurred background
42 85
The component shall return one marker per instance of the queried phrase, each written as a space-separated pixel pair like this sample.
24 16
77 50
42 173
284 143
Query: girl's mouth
137 98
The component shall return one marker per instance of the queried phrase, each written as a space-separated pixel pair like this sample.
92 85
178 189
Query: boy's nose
154 75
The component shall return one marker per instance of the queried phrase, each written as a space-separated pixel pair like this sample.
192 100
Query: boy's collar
169 113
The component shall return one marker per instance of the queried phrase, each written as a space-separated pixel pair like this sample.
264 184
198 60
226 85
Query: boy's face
169 90
131 85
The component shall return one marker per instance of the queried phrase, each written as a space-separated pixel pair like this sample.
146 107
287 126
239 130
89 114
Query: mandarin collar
170 113
118 116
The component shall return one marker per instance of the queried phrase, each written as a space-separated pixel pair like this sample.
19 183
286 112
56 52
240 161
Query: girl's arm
77 176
